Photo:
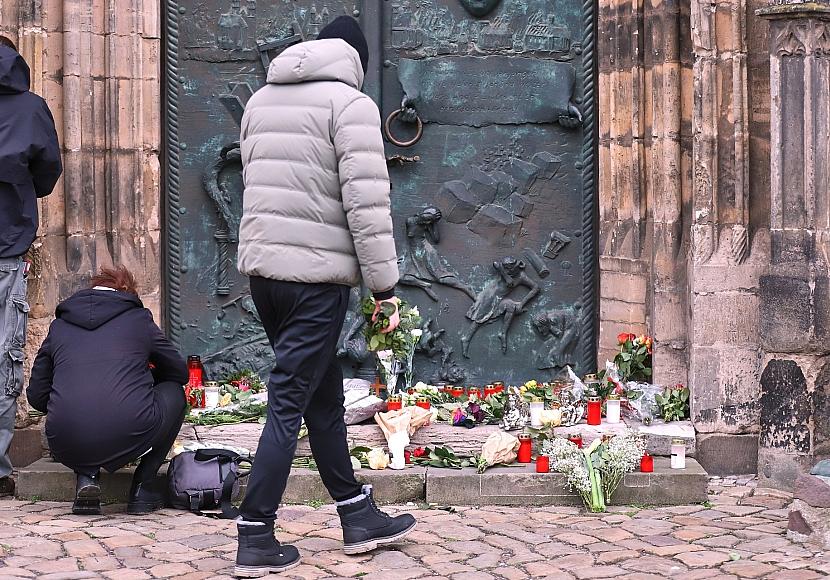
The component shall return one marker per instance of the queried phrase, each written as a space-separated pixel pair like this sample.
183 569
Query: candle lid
594 399
537 400
591 377
422 398
393 398
498 383
678 442
524 436
574 435
613 397
211 384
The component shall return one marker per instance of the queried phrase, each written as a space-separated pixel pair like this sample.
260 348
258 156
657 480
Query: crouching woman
110 384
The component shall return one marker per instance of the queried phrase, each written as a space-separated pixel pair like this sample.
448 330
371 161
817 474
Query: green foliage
360 453
673 404
441 457
250 412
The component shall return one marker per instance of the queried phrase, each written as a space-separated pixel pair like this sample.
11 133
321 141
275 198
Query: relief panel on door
490 144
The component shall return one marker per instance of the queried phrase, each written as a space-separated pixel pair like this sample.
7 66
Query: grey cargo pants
14 311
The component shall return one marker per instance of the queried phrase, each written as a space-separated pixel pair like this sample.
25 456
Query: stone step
463 441
516 485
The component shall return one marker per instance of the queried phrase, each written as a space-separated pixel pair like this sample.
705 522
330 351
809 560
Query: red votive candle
394 403
647 463
576 439
543 464
407 456
525 448
489 390
594 410
422 402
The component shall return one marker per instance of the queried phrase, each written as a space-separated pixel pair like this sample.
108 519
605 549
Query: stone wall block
626 287
729 318
785 407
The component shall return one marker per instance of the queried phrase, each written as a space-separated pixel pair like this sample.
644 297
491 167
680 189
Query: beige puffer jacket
316 203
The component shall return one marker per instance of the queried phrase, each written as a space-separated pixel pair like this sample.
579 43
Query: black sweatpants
303 323
171 404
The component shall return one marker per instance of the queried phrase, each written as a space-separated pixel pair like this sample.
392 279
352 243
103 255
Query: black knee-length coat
93 378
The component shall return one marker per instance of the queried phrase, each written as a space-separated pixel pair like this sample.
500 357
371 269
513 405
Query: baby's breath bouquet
595 472
395 349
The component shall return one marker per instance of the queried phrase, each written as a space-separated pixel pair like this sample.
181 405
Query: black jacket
92 377
30 159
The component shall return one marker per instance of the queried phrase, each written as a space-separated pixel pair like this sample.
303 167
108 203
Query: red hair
117 278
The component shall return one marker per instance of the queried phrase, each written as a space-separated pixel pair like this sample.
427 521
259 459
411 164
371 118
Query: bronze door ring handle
387 126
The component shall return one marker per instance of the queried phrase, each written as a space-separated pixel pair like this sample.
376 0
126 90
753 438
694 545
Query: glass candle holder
594 411
537 405
394 403
543 464
211 395
525 448
422 402
576 439
195 371
612 408
489 390
499 386
678 454
647 463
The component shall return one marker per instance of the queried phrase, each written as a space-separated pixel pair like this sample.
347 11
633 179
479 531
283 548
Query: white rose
414 311
378 459
417 332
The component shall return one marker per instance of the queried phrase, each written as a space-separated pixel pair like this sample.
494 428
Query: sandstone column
795 293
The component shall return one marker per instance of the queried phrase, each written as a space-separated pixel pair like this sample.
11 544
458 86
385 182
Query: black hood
14 72
91 308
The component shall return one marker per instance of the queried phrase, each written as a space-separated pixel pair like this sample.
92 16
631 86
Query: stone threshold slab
462 441
516 485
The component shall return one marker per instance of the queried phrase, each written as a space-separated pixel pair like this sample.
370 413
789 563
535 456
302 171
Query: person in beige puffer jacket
316 220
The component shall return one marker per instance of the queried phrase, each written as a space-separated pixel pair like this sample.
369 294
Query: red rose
624 337
419 452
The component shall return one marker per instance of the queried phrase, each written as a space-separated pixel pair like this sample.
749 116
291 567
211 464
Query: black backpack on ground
206 479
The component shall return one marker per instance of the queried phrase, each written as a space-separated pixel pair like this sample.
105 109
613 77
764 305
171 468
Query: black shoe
6 486
147 496
87 495
259 553
365 527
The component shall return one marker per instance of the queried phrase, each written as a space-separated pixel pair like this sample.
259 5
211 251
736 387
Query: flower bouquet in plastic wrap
395 349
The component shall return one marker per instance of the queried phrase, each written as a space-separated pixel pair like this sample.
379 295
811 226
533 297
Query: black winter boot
147 496
365 527
259 553
87 495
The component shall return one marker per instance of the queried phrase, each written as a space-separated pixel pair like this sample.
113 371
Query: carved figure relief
560 329
422 265
494 302
223 184
232 28
479 8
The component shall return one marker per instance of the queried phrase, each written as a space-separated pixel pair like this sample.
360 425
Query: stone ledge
463 441
520 485
515 485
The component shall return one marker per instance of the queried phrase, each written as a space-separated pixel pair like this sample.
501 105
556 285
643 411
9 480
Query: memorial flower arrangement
634 358
596 471
395 349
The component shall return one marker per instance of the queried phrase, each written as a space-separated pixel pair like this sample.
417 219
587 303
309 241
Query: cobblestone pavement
738 534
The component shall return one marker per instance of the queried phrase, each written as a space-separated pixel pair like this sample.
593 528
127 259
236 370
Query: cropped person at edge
316 220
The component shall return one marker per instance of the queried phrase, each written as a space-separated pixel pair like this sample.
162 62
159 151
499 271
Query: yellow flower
226 400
